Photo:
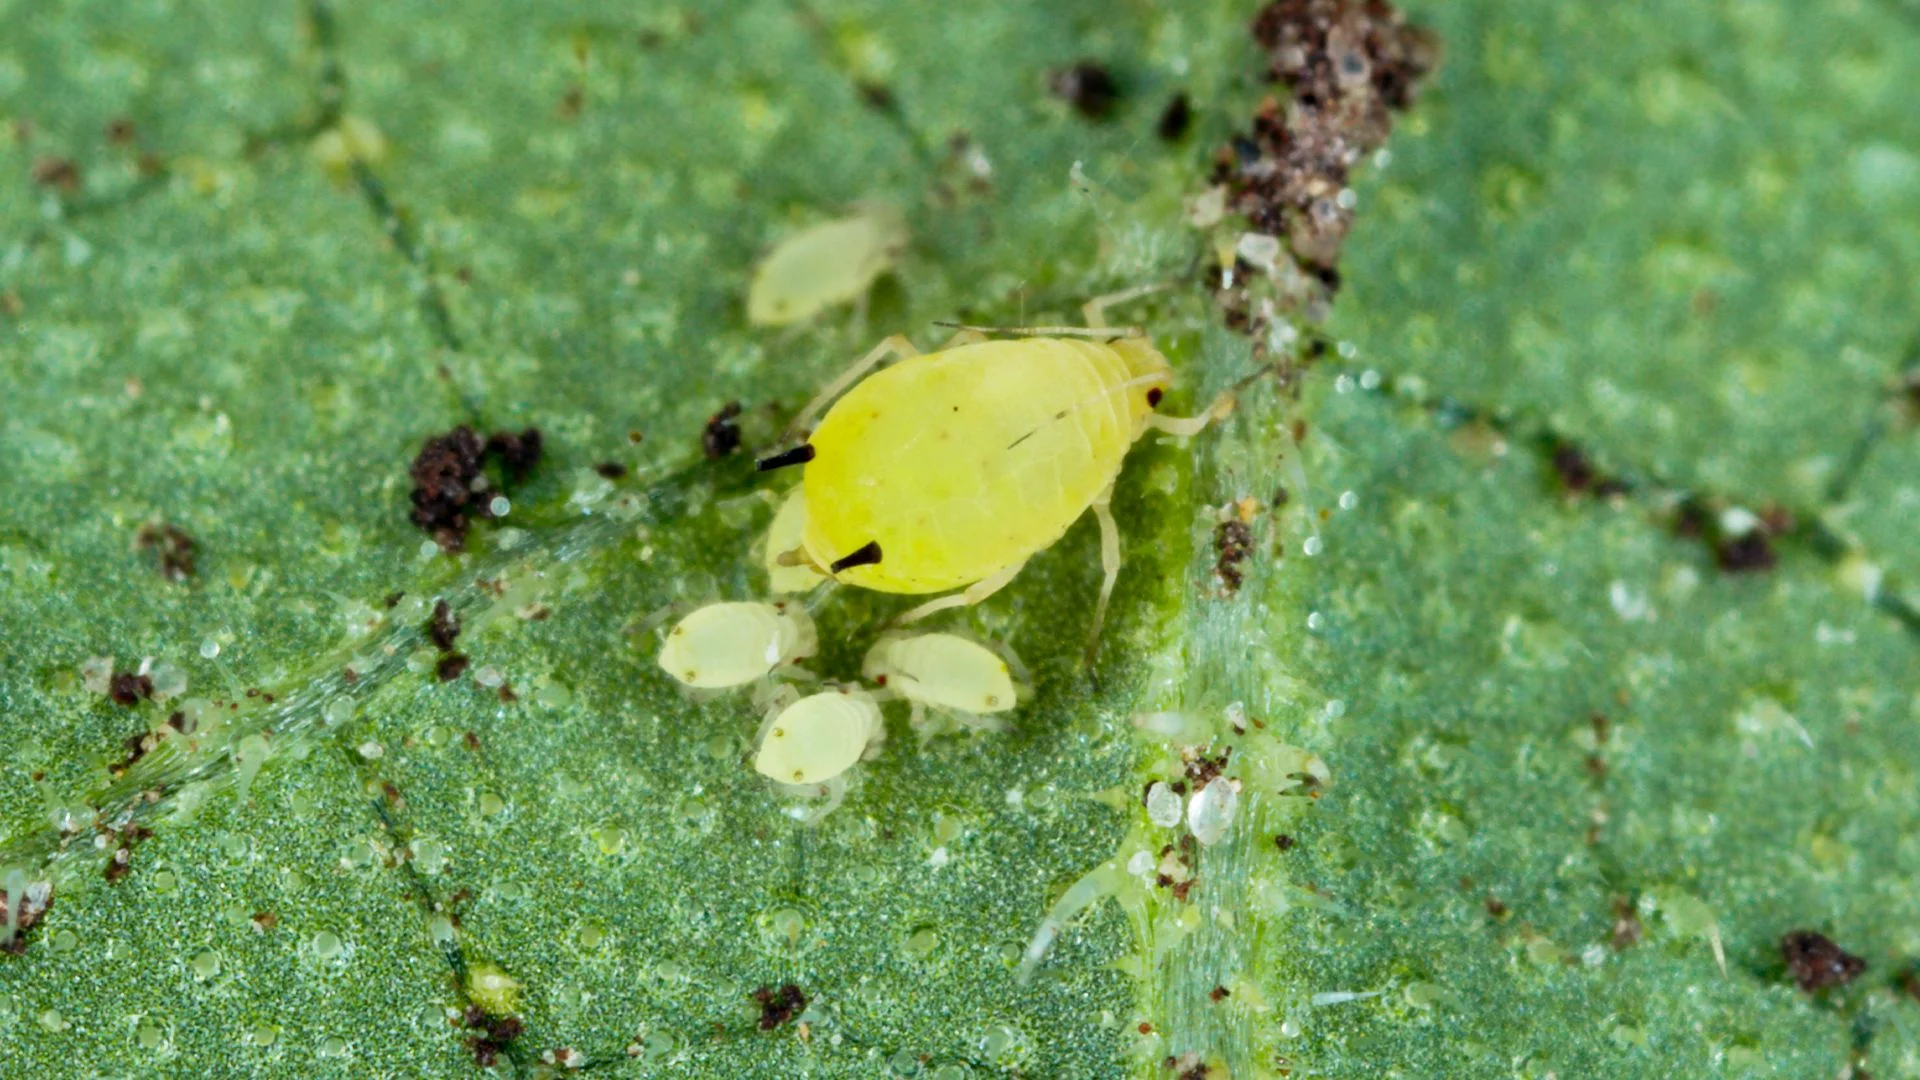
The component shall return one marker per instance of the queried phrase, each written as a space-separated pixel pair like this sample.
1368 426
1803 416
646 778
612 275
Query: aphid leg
1095 310
967 597
1221 408
896 346
1109 564
966 335
835 793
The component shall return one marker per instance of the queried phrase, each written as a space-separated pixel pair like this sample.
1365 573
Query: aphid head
1149 375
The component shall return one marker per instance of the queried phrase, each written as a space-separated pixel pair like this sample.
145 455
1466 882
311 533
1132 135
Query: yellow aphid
827 264
351 140
733 643
950 469
783 538
816 739
945 671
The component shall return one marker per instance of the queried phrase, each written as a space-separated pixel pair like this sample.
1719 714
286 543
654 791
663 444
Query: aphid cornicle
950 469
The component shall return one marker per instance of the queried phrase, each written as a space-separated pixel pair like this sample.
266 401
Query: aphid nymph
787 572
807 746
834 262
733 643
948 470
955 678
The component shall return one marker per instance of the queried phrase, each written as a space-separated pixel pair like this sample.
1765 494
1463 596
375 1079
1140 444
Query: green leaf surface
1680 238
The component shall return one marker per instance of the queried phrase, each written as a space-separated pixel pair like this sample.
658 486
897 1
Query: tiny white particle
372 750
1312 545
500 507
1369 380
1348 500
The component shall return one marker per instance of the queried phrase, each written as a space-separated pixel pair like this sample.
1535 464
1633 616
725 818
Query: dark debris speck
451 667
1816 963
170 545
450 487
1176 118
443 628
612 470
1088 86
1348 65
60 174
721 436
129 689
779 1006
1233 542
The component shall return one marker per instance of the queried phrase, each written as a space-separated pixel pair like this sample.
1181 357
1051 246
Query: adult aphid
949 470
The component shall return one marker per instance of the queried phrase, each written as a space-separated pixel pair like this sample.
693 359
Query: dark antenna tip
798 455
864 556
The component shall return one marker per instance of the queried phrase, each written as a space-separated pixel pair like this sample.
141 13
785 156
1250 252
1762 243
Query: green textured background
1685 236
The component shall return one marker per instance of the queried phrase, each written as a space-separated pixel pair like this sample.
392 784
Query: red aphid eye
1153 397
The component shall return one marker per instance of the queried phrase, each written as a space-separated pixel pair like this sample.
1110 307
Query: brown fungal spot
1175 119
451 667
443 628
450 485
1816 963
1233 541
1495 907
496 1032
1145 1028
612 470
472 741
779 1006
120 131
1348 66
264 921
1088 86
60 174
721 436
129 689
170 545
1202 769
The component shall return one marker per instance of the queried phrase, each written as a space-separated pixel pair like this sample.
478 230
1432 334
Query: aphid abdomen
963 462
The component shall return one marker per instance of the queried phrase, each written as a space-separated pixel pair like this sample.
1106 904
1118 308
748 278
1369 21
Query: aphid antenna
1052 331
